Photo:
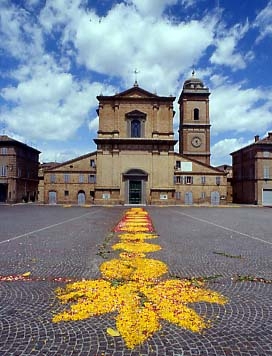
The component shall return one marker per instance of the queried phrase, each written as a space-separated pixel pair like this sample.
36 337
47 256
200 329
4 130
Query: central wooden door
135 192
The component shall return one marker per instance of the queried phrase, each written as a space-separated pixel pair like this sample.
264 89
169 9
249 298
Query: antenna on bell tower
135 73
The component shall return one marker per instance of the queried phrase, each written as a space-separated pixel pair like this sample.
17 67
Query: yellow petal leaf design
182 316
132 288
27 274
137 324
141 247
137 236
90 298
136 269
113 332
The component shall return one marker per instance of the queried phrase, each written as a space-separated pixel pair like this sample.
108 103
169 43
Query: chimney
270 135
257 137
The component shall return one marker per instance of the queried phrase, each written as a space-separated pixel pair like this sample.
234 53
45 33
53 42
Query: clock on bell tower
194 129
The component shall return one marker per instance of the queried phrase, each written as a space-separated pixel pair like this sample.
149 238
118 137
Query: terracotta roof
6 138
265 141
11 141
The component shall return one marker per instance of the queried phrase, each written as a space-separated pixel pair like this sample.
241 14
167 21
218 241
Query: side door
52 197
188 198
81 198
215 198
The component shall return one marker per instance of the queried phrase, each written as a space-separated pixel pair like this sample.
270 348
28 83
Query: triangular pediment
136 92
136 113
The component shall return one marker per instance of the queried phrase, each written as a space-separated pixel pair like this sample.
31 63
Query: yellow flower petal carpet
135 289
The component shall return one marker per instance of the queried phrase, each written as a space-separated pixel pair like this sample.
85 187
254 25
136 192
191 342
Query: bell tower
194 129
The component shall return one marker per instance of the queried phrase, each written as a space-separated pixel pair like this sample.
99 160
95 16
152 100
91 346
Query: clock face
196 141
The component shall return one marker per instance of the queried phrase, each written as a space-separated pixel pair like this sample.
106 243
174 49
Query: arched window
135 123
196 114
135 128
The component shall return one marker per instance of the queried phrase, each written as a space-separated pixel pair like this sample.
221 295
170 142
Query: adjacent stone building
19 165
252 172
71 182
135 161
42 168
227 169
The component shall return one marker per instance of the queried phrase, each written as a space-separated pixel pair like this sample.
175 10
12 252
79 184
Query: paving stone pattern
215 243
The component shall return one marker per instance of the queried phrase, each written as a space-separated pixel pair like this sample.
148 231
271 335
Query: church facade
135 161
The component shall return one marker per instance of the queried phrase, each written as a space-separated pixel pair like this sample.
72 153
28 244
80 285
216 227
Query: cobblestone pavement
216 243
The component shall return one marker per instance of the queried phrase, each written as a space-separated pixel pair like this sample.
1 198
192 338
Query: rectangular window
266 172
92 178
203 195
178 179
4 150
92 163
178 165
3 171
66 178
188 180
203 180
81 178
66 193
266 154
52 178
217 180
178 195
19 172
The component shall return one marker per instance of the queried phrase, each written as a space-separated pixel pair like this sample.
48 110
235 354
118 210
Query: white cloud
59 154
148 8
20 36
220 151
93 124
234 108
188 3
51 103
264 21
60 14
124 40
226 52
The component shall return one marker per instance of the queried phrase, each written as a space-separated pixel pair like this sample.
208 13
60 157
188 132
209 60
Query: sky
56 56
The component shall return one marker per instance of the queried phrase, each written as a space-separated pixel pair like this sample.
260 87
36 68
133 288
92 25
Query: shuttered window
3 171
266 172
188 179
66 178
92 178
52 178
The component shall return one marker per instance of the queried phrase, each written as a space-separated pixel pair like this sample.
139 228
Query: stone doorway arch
135 186
81 197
